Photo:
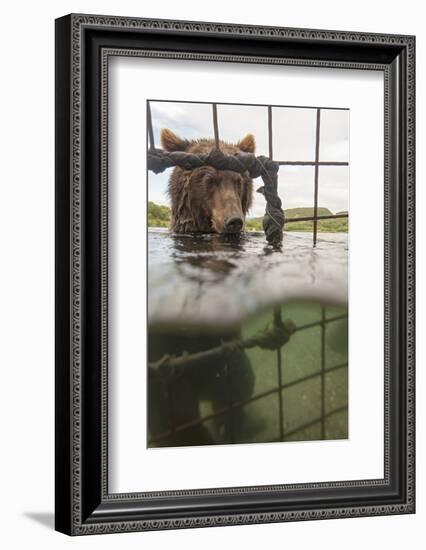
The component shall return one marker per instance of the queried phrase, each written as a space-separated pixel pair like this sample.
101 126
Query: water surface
214 280
206 289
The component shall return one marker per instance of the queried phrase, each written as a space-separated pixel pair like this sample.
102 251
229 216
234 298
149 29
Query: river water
204 290
213 280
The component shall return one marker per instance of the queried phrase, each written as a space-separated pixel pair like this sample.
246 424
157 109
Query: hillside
159 216
324 226
305 212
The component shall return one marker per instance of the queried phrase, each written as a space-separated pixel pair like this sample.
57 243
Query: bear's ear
172 142
247 144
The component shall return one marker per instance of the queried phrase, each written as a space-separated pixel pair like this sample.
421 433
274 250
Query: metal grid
277 320
322 417
317 163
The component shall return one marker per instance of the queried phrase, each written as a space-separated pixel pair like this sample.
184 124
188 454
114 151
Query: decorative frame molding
83 504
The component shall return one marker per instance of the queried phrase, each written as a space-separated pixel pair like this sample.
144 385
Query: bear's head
205 199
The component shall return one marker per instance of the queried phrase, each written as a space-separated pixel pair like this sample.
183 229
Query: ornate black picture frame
83 503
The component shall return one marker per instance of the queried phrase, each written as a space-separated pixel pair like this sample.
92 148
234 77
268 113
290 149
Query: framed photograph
234 274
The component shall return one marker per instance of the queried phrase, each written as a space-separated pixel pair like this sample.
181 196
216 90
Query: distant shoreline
159 217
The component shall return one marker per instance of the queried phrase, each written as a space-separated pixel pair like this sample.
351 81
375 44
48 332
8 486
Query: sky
293 130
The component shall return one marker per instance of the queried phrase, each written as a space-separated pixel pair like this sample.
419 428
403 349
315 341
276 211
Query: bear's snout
234 224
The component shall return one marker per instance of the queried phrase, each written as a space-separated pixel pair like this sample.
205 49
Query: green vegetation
305 212
254 224
159 216
325 226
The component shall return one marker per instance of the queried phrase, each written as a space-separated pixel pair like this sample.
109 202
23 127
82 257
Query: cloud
157 187
334 135
294 134
188 120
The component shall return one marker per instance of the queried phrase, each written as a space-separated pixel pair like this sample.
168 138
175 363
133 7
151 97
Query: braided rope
261 166
273 337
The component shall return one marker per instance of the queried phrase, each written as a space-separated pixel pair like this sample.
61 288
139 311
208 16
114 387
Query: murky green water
208 290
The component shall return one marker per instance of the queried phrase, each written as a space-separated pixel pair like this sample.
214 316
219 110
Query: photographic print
248 224
234 274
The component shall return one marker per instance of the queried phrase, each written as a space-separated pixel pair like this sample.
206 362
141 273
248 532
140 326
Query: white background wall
27 262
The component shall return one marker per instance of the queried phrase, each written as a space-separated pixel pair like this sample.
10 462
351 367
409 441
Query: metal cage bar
317 149
316 163
323 372
215 126
277 310
149 126
311 163
270 137
283 435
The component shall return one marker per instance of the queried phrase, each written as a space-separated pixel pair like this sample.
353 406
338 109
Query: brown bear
203 200
174 395
206 200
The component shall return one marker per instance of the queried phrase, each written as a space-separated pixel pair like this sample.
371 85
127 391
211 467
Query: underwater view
247 342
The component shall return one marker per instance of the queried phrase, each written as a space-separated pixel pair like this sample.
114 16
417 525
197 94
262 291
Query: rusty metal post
317 147
277 309
149 126
270 131
230 420
215 126
323 372
278 321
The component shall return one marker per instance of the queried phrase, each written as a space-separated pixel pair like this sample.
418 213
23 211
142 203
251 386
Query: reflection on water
210 257
207 291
